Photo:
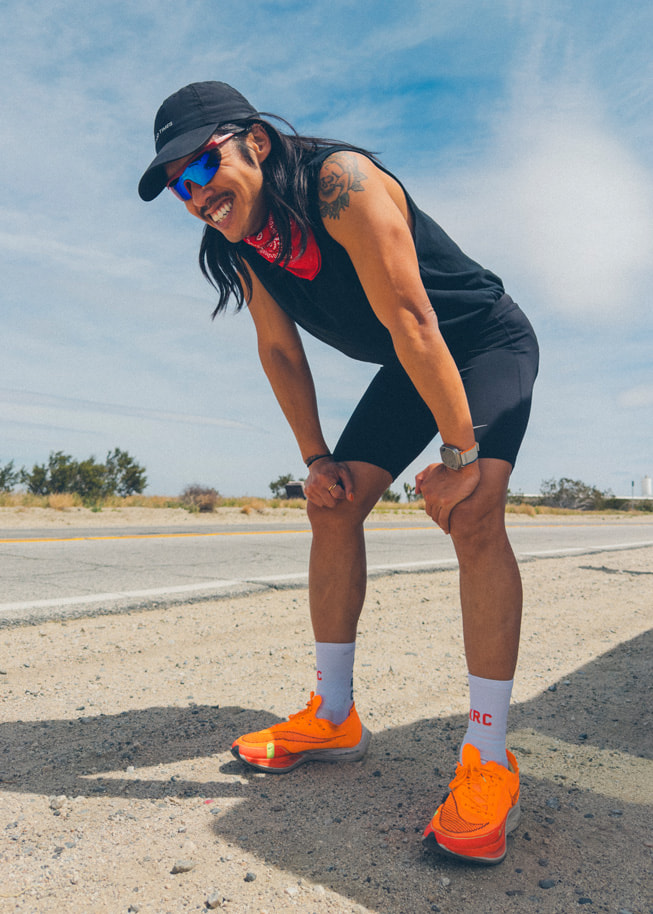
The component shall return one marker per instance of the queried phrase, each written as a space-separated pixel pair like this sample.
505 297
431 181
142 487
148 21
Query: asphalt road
48 574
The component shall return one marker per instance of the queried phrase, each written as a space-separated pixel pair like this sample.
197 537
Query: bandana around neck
267 243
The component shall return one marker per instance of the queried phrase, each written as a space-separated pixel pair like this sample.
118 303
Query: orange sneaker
303 738
481 808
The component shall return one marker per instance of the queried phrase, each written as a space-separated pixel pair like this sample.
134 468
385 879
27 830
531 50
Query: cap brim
155 179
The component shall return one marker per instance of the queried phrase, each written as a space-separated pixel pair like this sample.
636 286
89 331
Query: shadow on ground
340 826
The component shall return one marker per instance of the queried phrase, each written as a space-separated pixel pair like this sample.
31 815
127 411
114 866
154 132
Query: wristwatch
456 459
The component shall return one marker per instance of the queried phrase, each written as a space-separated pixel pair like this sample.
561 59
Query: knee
478 523
344 515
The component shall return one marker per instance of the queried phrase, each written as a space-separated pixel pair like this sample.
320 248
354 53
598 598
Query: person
317 234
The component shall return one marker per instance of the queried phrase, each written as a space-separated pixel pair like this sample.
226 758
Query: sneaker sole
490 858
287 763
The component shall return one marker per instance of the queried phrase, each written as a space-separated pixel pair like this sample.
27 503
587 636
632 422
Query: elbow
415 329
275 359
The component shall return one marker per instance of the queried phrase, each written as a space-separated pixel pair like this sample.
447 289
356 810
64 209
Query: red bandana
266 243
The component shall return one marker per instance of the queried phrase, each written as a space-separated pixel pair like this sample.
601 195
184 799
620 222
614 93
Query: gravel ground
119 793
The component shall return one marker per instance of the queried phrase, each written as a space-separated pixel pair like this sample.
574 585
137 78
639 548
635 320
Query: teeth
224 211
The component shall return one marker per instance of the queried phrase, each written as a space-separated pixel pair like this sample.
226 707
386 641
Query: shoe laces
308 710
477 784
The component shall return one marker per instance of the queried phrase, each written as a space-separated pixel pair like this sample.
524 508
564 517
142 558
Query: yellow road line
180 534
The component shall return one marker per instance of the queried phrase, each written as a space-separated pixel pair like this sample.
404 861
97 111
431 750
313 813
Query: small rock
546 883
183 866
444 882
553 688
214 901
250 877
553 803
291 890
58 802
584 900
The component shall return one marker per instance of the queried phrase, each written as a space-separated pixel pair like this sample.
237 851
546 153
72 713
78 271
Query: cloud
640 397
562 203
19 402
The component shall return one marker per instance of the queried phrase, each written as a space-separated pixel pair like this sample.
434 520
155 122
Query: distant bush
92 481
572 493
278 486
391 496
200 498
411 494
8 477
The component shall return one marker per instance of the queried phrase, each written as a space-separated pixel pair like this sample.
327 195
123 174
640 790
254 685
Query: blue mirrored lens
200 171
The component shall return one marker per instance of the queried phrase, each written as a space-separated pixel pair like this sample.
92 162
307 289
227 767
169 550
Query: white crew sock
489 701
335 679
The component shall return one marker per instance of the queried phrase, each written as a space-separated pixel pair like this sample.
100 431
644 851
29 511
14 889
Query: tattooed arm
339 177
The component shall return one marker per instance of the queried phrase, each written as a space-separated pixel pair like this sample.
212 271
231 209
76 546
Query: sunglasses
199 170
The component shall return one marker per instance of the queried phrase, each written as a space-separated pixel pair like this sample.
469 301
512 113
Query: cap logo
162 130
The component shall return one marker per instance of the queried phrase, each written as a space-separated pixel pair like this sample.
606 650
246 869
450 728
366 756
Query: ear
259 141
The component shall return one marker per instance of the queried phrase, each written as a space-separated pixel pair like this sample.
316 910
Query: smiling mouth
219 215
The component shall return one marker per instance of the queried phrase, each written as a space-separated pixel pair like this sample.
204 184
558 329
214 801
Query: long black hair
287 175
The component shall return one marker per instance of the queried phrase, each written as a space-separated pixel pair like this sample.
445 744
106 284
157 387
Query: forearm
291 380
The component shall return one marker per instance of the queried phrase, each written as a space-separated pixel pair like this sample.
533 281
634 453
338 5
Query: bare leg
338 566
490 583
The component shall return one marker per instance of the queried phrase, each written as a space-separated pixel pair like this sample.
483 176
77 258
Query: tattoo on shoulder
340 176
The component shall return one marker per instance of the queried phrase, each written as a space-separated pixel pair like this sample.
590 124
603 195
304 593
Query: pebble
250 877
183 866
584 900
214 900
546 883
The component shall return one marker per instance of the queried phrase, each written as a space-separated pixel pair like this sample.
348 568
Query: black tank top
334 308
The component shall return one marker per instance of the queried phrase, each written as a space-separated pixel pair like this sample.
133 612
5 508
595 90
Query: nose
198 194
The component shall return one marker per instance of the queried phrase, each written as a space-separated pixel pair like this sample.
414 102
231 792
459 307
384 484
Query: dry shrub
200 498
62 500
522 509
254 504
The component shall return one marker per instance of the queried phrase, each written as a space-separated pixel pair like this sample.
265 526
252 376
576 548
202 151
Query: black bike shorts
392 425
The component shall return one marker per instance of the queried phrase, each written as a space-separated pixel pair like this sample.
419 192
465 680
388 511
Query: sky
524 128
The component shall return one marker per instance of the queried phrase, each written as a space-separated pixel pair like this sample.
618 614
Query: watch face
450 458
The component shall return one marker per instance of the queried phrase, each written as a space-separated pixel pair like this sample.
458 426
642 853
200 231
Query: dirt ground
119 792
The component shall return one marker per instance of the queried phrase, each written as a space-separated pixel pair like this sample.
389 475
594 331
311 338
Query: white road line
242 585
584 550
117 595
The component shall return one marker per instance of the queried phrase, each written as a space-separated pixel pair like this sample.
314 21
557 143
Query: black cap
185 121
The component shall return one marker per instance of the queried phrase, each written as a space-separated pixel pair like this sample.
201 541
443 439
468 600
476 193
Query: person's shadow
317 820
